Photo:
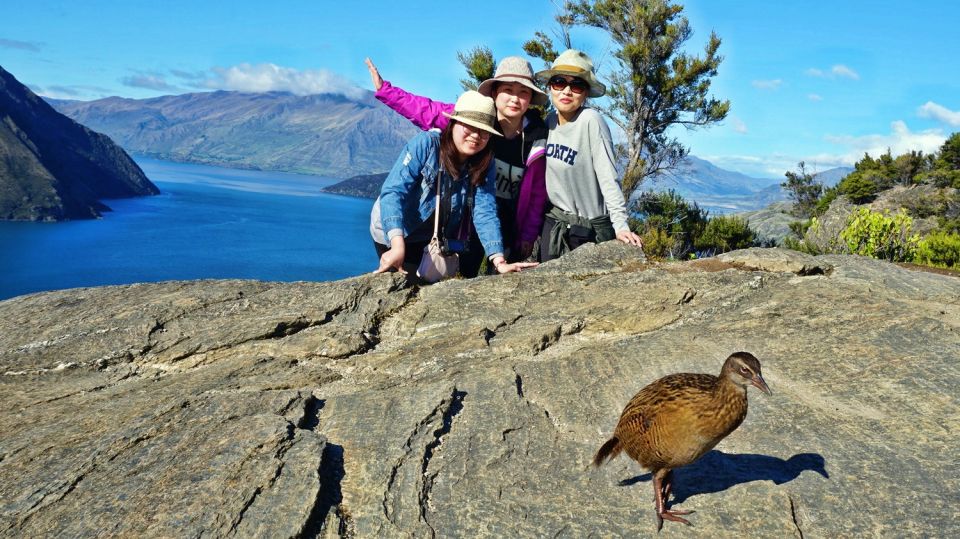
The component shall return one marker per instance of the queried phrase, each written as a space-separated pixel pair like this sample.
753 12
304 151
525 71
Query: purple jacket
427 114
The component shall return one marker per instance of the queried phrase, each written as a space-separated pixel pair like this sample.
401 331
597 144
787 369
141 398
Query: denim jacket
408 196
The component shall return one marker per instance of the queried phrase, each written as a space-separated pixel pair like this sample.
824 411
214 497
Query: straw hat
576 64
514 69
475 109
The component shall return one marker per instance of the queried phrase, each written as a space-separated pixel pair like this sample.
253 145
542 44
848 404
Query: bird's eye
744 370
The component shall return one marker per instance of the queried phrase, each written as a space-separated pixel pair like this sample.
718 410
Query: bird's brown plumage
675 420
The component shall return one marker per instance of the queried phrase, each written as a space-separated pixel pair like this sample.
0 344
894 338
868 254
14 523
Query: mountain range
325 134
51 167
334 136
725 191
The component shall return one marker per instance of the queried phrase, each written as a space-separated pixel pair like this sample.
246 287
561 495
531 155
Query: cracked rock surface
369 408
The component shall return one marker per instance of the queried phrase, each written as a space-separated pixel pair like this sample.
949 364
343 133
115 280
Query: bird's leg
667 486
661 484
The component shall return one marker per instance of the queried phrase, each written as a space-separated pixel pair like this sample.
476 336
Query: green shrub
941 249
823 204
801 245
799 228
726 233
658 244
681 222
860 187
942 178
880 235
949 157
949 224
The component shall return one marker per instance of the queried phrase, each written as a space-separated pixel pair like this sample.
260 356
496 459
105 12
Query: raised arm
375 77
424 112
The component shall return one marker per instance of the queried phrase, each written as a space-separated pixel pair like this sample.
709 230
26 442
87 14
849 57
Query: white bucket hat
514 69
477 110
576 64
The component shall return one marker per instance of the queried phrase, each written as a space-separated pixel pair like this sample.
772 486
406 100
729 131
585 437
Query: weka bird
675 420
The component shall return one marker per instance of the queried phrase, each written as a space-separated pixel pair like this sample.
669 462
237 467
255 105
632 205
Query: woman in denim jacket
458 159
519 153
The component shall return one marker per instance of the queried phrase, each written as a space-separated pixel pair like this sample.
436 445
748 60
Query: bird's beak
758 382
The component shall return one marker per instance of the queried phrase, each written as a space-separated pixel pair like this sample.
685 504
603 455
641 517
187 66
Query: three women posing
574 167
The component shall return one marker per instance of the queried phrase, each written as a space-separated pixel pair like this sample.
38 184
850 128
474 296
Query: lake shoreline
207 222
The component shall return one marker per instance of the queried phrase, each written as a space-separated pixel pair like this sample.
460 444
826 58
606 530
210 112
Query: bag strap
436 215
466 220
444 185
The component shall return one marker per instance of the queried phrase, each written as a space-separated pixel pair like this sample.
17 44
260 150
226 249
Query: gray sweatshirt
581 174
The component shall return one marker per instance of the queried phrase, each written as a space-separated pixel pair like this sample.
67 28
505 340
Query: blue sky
814 81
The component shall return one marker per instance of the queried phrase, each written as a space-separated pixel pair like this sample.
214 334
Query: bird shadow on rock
717 471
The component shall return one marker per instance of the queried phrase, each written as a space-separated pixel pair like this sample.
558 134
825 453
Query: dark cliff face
52 168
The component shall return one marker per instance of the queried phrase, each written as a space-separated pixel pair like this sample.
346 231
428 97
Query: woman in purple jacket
519 153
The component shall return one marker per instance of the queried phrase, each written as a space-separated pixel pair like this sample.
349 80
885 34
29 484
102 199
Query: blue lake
208 223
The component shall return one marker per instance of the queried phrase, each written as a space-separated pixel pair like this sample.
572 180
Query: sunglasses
577 86
471 130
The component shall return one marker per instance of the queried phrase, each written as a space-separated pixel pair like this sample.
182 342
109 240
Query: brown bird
675 420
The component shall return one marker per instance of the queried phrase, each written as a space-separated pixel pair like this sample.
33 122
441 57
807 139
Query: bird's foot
673 516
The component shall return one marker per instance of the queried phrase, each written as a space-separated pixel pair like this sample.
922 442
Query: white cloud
837 71
150 82
767 84
850 149
841 70
899 141
274 78
939 113
78 91
738 125
814 97
31 46
772 166
189 75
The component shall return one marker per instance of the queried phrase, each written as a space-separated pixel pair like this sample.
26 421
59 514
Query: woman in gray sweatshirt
587 202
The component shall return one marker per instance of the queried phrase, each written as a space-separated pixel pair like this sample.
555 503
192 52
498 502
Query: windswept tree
803 189
652 84
949 158
480 65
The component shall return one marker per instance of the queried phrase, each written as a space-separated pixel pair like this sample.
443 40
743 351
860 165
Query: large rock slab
367 407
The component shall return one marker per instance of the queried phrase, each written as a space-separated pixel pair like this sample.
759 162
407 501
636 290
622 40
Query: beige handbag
435 266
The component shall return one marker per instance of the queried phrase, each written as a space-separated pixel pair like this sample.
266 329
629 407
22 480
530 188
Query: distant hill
772 221
327 135
724 191
363 186
51 167
695 175
831 177
713 188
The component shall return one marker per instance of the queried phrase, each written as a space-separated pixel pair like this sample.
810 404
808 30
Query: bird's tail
608 451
